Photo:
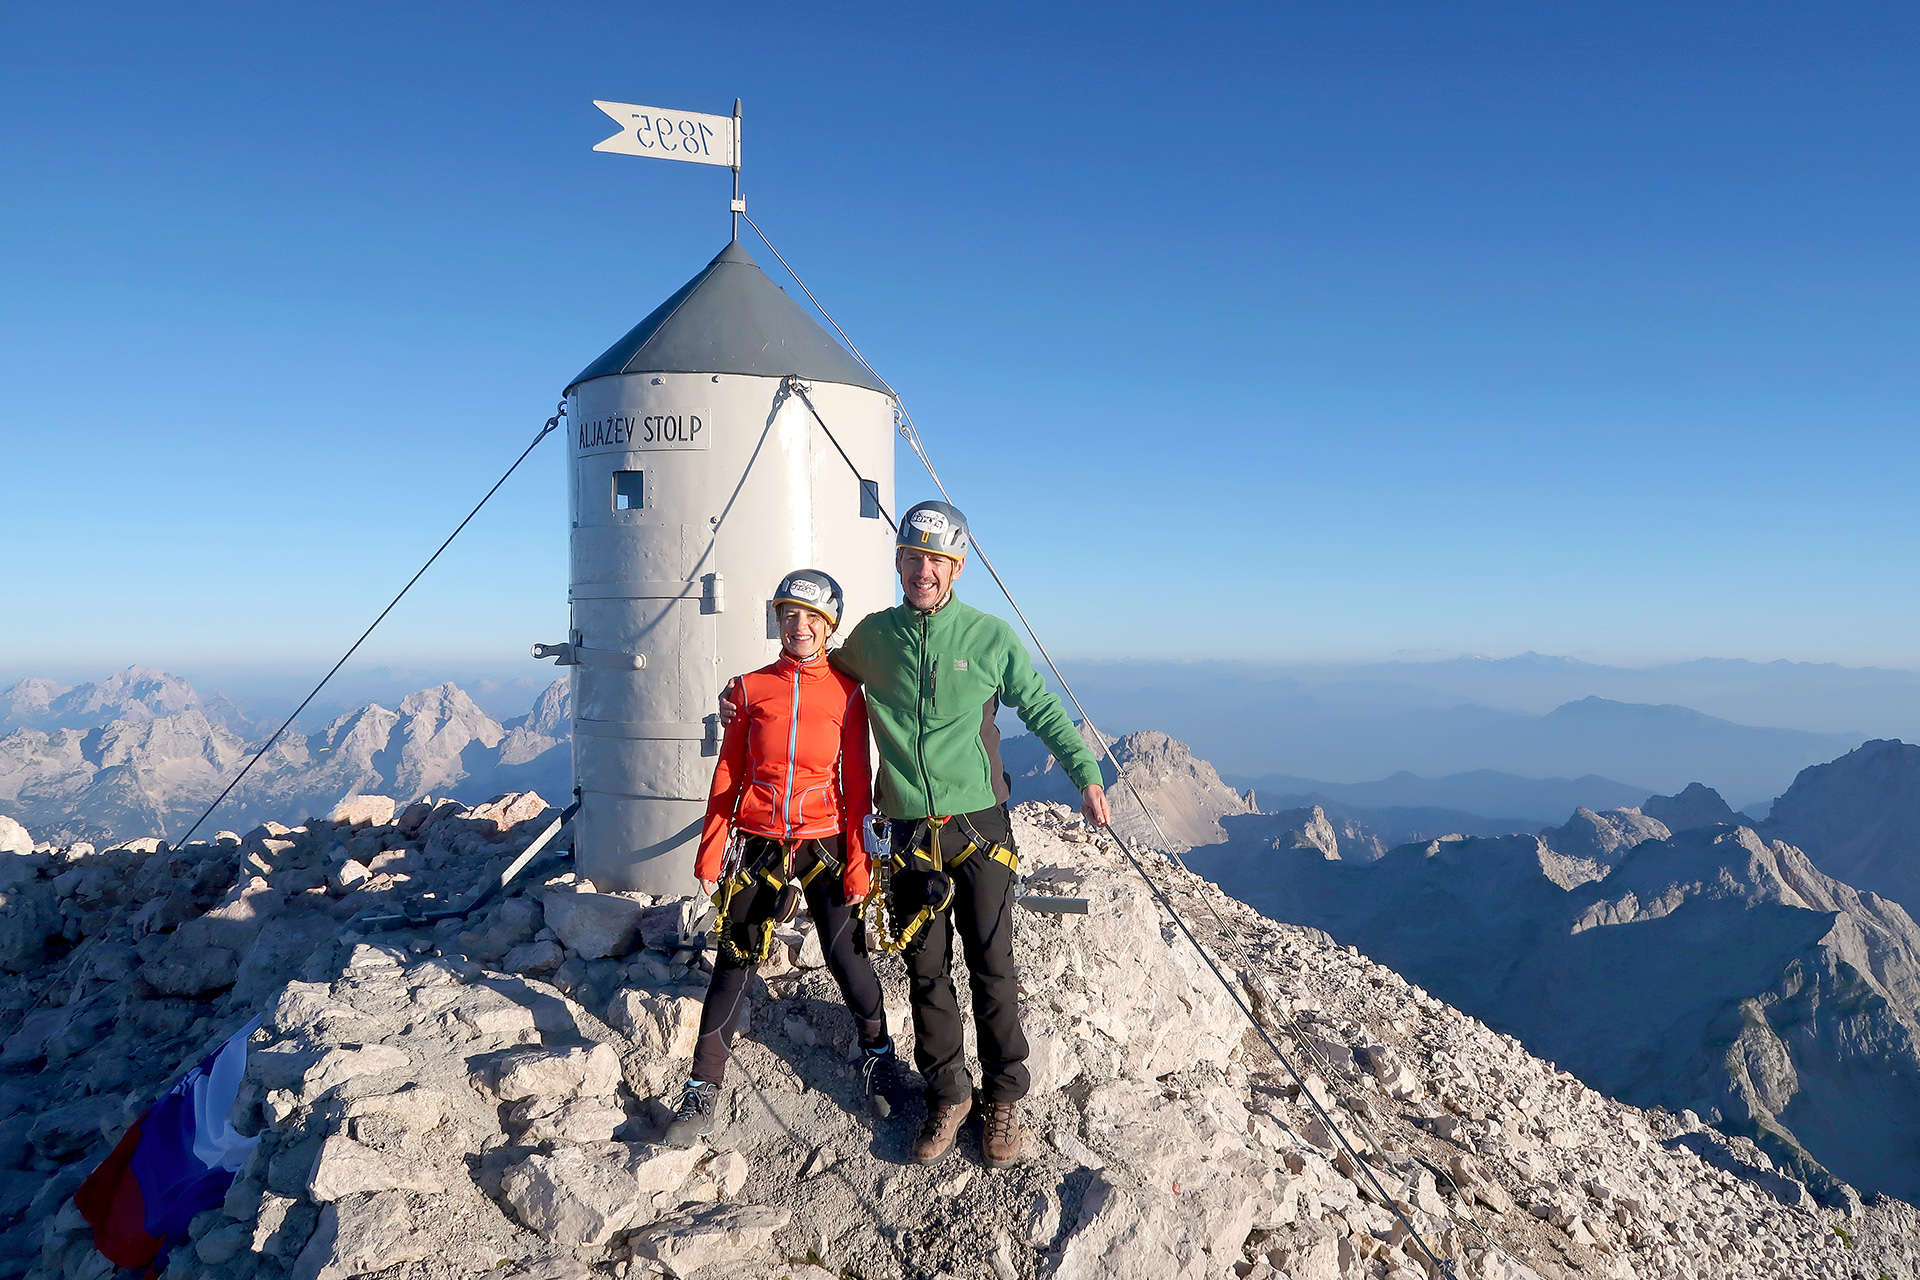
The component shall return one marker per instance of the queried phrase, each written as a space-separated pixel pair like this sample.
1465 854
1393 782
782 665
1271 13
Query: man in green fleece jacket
935 672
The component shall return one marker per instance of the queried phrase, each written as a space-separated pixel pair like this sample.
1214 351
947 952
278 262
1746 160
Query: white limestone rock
593 1071
712 1236
663 1026
1123 1236
359 811
14 838
359 1237
583 1195
595 925
535 959
580 1120
345 1167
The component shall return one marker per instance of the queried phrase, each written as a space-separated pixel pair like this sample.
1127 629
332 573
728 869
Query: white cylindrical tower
696 483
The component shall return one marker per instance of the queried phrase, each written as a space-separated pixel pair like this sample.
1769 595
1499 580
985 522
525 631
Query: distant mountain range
1709 969
1673 953
1478 792
143 754
1251 721
1817 697
144 748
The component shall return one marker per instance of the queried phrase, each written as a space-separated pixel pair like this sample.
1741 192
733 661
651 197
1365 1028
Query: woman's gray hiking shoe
880 1078
693 1120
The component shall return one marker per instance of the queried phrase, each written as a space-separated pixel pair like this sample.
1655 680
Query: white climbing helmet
815 590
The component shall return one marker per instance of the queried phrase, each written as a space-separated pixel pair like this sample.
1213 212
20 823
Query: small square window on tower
629 490
869 499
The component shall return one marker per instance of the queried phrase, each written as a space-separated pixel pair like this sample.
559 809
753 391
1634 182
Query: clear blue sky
1291 330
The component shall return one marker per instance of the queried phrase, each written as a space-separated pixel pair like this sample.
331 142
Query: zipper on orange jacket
793 747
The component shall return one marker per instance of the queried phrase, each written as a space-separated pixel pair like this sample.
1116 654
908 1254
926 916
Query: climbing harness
894 930
911 434
770 865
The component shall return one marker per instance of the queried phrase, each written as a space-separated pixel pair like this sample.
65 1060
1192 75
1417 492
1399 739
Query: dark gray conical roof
731 319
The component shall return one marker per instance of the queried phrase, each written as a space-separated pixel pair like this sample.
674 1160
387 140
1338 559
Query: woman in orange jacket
793 784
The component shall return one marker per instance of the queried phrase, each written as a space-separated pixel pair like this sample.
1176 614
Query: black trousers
982 916
842 937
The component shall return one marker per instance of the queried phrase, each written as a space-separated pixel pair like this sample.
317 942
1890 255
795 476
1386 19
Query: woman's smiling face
803 633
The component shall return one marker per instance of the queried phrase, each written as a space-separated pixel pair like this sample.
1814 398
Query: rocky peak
549 724
552 713
1697 806
1290 829
437 726
1858 817
1599 837
1715 863
1314 832
1186 793
29 703
135 695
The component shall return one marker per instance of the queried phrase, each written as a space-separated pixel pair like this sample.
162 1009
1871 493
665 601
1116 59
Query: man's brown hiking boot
937 1134
1001 1137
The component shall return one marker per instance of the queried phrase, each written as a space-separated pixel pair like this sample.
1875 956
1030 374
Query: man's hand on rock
1093 805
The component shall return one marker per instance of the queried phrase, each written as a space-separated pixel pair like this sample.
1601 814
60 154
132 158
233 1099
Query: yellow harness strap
881 915
777 874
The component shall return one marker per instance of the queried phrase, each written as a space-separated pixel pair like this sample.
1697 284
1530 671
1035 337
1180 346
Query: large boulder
236 921
595 925
187 970
14 837
665 1026
710 1236
534 1072
360 1236
505 812
363 811
582 1195
29 916
1123 1235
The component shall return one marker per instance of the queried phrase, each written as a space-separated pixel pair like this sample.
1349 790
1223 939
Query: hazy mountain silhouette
1482 793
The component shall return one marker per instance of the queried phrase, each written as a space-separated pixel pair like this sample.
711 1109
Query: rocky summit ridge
481 1098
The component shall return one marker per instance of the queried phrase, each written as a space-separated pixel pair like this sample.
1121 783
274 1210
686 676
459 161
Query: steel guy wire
546 430
911 433
795 385
75 955
1445 1267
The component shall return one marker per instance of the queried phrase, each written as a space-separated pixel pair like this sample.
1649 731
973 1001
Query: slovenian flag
178 1159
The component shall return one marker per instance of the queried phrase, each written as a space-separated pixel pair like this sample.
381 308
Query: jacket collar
785 666
947 608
